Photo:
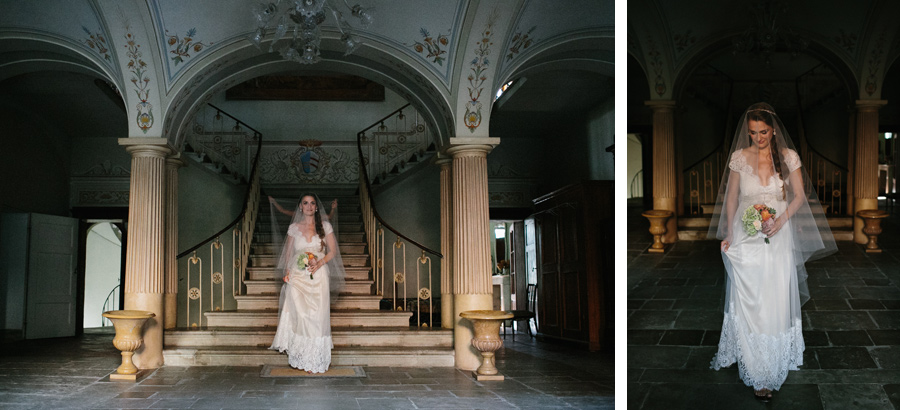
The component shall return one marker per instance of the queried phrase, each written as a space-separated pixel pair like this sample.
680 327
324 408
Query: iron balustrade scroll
703 179
829 179
376 229
239 232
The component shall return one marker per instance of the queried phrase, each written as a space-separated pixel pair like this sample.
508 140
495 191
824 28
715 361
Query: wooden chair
527 314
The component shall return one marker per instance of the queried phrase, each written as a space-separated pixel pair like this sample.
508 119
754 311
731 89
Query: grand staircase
362 334
695 228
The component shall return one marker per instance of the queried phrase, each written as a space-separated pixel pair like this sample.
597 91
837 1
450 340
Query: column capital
147 147
443 160
660 104
869 105
175 161
467 147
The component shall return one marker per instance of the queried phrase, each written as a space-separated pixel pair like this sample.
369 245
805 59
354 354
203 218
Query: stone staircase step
268 260
348 318
268 273
342 237
397 356
269 248
273 286
270 302
341 336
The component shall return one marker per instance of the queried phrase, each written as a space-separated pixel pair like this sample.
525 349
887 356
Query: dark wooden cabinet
575 230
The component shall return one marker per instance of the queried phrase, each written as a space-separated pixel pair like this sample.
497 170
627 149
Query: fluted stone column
144 268
865 173
447 319
171 243
665 181
471 259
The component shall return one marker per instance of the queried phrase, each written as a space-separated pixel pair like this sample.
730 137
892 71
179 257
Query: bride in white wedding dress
312 271
764 260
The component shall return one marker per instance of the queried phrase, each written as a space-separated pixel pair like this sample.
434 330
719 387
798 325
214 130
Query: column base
149 355
668 204
448 313
467 357
861 204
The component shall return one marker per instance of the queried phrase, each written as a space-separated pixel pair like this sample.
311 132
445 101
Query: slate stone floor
72 373
851 328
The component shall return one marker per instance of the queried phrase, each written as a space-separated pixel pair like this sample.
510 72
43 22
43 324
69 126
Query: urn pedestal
872 227
129 326
486 324
658 219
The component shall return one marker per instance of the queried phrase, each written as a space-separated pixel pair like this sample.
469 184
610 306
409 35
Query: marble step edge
334 313
701 234
342 336
343 356
834 222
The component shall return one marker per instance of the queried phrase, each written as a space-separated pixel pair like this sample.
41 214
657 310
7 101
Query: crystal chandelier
763 38
304 18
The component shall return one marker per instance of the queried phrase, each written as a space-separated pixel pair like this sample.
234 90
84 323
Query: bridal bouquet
756 217
304 259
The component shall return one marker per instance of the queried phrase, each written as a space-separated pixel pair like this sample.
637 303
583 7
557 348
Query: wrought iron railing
702 182
222 263
636 188
111 303
376 229
830 180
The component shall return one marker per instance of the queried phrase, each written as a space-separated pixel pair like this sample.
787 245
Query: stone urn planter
658 219
129 326
872 228
487 340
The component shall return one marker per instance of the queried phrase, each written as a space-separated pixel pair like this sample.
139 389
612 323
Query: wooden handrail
365 176
253 170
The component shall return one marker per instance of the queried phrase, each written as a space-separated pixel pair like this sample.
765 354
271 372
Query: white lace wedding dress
304 325
761 330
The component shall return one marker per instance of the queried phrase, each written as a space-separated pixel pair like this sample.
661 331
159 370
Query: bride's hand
287 278
313 266
726 243
772 229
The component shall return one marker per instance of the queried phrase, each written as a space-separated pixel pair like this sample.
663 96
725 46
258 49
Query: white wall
635 163
103 266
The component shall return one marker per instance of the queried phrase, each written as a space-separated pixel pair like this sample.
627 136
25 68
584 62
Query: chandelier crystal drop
301 20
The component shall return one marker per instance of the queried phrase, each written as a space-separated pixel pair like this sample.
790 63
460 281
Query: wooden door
548 274
517 262
51 295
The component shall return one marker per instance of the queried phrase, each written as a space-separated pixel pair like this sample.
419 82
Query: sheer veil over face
761 148
308 206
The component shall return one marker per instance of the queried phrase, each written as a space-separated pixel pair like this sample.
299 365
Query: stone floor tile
844 358
664 357
885 337
652 319
849 338
887 357
682 337
854 396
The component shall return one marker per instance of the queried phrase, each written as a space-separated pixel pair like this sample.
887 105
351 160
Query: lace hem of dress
312 354
774 355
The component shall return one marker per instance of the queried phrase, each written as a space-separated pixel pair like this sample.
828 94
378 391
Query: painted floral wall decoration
182 46
97 41
433 46
477 76
141 82
520 42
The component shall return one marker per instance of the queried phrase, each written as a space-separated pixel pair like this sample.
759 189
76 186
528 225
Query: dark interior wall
35 161
413 207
